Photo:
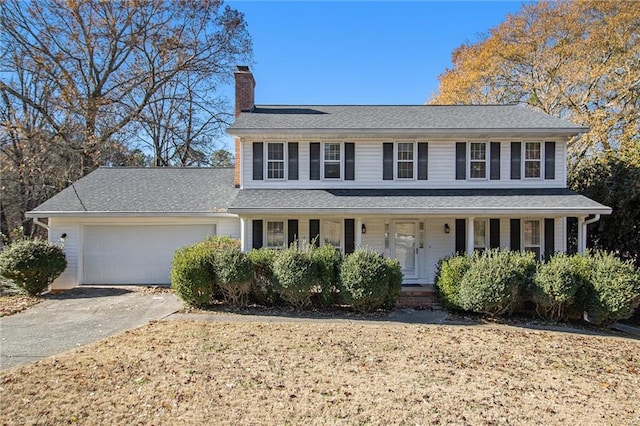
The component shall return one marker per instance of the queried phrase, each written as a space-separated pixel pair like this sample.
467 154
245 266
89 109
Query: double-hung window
332 160
275 160
532 236
405 160
480 234
332 232
532 159
275 234
478 160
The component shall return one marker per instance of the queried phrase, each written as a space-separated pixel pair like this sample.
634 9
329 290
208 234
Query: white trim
487 154
541 230
396 161
265 227
486 211
341 133
322 161
486 233
523 161
285 158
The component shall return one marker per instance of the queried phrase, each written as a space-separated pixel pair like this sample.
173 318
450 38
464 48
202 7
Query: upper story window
478 160
332 160
275 160
405 160
532 159
532 237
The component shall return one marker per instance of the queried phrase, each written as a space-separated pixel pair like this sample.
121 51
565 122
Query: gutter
82 213
36 221
484 211
444 132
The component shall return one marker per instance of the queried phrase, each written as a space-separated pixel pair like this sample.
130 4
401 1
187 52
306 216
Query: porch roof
480 202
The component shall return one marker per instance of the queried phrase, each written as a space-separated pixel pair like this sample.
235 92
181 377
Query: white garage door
135 254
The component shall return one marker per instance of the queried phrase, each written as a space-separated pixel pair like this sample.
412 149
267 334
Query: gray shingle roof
414 201
417 118
144 190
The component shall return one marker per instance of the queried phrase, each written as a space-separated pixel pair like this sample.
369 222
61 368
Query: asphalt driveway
77 317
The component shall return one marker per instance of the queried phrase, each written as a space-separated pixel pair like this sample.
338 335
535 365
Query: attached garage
135 254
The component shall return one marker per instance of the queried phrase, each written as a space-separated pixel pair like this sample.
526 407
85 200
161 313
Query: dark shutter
349 161
293 161
258 162
461 160
292 231
461 235
549 237
494 233
314 161
515 234
423 161
314 232
257 234
549 160
349 236
494 166
516 158
387 161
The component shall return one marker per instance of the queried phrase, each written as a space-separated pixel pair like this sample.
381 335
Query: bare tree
76 77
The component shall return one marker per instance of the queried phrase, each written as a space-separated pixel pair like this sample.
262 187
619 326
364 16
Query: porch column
582 237
358 226
470 246
243 235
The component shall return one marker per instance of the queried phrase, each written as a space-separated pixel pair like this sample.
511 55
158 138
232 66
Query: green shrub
262 287
614 289
193 275
394 277
233 273
449 273
494 281
558 286
365 280
294 276
327 261
32 265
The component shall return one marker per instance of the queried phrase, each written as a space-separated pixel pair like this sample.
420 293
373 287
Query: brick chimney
245 101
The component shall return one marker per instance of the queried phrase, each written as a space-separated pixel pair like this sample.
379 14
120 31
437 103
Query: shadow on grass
222 312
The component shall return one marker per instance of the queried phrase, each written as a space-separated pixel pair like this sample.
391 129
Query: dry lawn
183 372
13 303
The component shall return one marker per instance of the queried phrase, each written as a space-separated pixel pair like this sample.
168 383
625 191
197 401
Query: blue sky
359 52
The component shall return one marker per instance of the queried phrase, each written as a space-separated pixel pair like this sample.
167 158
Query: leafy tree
614 180
576 60
79 80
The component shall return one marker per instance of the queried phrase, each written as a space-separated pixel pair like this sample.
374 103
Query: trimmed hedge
394 276
365 280
294 274
613 290
233 272
262 265
495 280
449 273
193 275
559 284
327 262
32 265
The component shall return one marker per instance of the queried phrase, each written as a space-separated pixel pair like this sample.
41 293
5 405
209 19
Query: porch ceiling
559 202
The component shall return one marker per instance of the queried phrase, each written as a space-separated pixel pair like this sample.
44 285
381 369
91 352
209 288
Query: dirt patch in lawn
331 373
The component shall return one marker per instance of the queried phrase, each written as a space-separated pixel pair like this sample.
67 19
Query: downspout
584 231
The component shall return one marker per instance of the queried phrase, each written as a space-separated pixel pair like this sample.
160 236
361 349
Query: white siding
72 251
368 168
438 244
374 238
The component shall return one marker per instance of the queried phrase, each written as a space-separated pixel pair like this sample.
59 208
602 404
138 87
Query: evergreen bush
294 276
449 273
193 274
233 272
365 280
327 262
32 265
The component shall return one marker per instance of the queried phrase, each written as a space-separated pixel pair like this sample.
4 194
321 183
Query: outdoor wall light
364 229
447 229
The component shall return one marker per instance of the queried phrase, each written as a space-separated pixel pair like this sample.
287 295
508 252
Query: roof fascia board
37 214
440 133
440 211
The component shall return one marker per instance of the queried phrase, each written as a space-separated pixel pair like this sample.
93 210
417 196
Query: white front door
405 247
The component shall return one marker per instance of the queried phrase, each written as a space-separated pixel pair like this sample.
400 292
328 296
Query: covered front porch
417 227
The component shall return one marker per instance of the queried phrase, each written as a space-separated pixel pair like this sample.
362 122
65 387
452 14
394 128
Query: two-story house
413 182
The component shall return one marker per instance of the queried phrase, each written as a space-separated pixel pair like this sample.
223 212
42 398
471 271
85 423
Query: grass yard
185 372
